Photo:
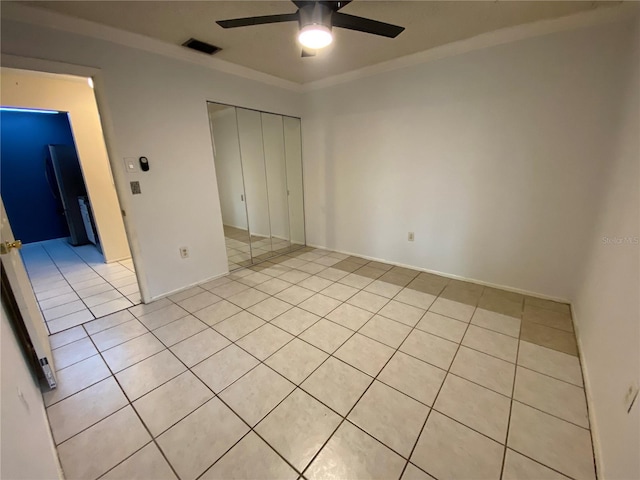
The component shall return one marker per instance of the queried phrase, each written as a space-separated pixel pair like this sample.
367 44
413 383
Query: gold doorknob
5 247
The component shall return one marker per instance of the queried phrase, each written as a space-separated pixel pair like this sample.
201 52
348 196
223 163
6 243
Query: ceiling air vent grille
200 46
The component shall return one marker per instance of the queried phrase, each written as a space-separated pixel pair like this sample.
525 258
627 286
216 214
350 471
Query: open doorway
60 199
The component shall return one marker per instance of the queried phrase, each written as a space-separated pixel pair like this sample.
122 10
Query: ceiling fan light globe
315 36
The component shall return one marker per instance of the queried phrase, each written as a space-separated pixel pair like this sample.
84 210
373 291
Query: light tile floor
317 365
238 248
73 285
241 254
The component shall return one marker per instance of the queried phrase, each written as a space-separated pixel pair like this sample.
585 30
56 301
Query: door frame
48 66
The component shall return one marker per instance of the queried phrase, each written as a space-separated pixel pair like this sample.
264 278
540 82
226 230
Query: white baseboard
118 259
586 380
182 289
449 275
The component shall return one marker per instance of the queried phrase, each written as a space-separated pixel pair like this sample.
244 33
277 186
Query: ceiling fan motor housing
316 14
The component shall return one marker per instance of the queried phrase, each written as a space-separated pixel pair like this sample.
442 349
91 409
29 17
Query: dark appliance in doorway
67 183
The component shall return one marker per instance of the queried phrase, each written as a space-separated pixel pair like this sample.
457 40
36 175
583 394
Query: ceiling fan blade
366 25
308 53
245 22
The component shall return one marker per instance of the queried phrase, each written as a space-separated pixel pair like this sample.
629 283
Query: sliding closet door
258 160
293 157
226 154
255 182
276 171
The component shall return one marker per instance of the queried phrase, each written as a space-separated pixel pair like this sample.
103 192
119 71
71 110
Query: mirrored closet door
258 161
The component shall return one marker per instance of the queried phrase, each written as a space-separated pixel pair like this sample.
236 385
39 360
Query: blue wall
33 212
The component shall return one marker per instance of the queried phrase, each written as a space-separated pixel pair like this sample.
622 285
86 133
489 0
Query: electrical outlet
411 236
631 396
184 252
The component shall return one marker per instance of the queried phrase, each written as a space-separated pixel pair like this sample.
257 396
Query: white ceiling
273 49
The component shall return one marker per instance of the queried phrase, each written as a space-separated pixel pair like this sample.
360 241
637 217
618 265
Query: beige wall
74 95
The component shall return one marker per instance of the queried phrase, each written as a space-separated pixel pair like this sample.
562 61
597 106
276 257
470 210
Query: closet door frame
292 246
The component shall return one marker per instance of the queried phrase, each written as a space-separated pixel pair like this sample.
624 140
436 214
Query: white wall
605 301
75 96
156 107
491 158
27 450
224 128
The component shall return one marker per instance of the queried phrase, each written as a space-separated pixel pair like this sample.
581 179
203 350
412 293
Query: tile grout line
74 290
294 306
369 386
538 462
297 386
432 408
95 272
581 387
168 348
65 279
300 247
388 300
513 391
130 404
215 395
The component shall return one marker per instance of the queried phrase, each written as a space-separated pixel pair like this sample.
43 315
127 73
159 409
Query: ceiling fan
316 19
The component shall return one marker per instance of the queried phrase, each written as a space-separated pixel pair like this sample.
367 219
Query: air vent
200 46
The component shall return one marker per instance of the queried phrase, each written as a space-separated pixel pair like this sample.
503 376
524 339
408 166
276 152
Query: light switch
131 164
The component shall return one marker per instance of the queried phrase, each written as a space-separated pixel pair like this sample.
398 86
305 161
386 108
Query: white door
25 298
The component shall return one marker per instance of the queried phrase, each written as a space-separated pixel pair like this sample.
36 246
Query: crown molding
624 11
65 23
